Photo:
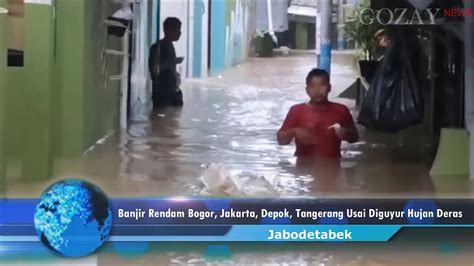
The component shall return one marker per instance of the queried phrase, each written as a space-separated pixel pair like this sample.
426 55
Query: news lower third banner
198 219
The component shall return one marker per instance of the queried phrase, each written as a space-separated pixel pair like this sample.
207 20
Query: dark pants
168 99
166 91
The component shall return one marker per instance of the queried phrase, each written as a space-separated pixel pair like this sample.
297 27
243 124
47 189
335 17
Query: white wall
179 9
140 102
189 55
205 41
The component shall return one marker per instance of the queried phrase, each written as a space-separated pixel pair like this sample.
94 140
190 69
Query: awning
305 11
307 14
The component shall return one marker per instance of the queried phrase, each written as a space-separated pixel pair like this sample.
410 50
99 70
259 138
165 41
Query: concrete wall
230 33
237 35
14 111
200 24
179 9
218 36
140 91
28 106
57 104
16 24
88 109
101 104
230 36
3 84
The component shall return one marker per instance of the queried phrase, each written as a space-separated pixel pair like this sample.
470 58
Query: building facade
68 83
216 34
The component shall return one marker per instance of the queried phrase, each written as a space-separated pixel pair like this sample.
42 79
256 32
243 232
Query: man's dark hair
317 72
171 23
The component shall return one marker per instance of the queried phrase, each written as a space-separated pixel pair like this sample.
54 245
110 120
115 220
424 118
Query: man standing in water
318 126
162 68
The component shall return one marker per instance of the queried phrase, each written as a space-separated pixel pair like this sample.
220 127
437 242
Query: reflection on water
233 120
297 254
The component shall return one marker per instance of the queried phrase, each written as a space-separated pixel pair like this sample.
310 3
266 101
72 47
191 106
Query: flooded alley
94 170
232 119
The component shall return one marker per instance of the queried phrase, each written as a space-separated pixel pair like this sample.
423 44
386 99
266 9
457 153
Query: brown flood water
232 120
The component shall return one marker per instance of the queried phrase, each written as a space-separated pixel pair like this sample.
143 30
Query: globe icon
73 218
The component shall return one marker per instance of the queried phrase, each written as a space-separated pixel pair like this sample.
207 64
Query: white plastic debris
335 126
217 180
285 50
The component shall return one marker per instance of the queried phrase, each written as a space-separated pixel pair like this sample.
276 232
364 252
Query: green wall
101 105
88 110
69 76
15 110
3 85
57 105
37 155
229 39
94 89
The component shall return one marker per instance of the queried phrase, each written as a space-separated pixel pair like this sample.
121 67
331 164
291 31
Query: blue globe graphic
73 218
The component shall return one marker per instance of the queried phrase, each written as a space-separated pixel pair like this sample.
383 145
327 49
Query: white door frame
205 39
190 42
